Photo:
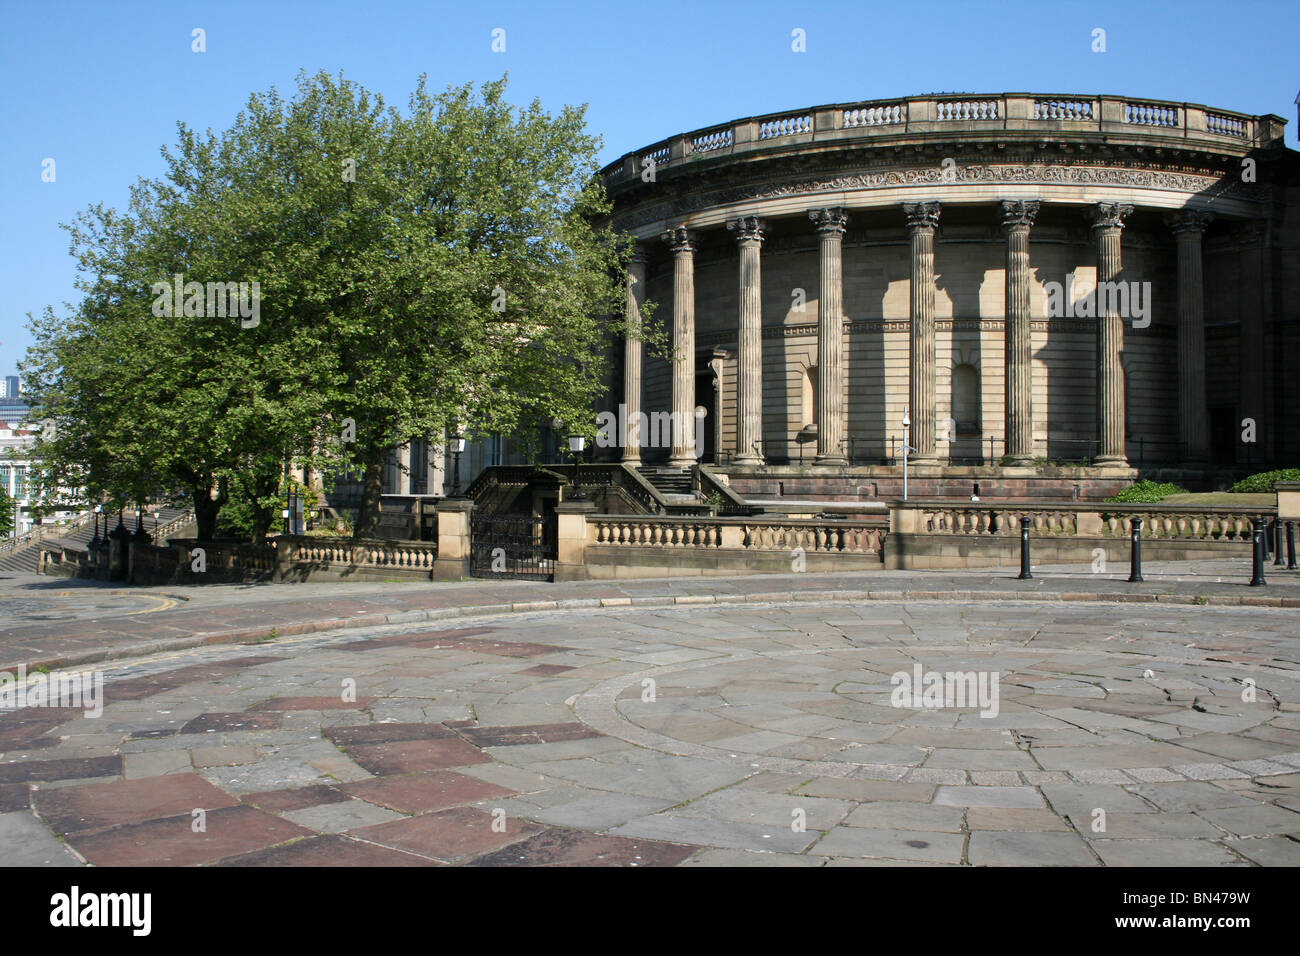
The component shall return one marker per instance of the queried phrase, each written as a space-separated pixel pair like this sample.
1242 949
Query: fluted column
922 220
1251 366
1193 427
632 358
682 243
436 465
1107 225
830 224
1017 219
749 367
404 469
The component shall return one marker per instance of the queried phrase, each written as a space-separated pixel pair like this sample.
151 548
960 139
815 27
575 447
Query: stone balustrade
828 535
1203 523
945 534
1028 112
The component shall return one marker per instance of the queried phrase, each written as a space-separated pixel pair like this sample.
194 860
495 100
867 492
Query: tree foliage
438 269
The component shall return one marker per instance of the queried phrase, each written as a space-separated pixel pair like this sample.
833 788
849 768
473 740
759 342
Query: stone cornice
686 201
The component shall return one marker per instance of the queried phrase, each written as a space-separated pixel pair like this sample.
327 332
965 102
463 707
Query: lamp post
457 446
576 445
94 542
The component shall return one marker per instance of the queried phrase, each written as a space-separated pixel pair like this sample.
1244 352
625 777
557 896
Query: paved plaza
747 721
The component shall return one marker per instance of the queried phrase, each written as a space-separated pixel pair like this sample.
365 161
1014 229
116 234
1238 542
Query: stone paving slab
709 733
249 613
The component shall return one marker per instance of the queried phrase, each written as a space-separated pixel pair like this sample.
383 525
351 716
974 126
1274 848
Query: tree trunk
372 487
205 513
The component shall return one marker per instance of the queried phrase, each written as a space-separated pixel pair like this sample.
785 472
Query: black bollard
1290 546
1277 542
1257 553
1135 550
1025 574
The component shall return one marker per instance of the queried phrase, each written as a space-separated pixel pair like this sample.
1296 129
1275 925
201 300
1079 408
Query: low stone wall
939 534
290 558
642 546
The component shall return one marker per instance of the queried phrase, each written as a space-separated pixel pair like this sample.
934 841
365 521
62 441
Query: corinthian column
1107 224
632 358
1193 429
830 223
1252 364
749 366
682 243
1017 219
922 219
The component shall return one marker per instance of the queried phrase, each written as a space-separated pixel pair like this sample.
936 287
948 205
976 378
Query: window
966 399
20 482
4 479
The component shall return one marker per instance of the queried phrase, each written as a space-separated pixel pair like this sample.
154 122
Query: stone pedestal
571 540
452 563
830 224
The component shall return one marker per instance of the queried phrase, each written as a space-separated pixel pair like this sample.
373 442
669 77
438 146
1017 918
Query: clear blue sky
98 87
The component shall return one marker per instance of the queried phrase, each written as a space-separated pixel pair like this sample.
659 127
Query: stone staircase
24 560
674 484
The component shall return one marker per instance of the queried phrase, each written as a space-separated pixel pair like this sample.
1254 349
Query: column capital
921 215
1109 215
680 240
829 219
1019 213
747 228
1188 221
638 255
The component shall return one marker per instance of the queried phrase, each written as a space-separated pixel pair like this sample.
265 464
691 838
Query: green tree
438 269
7 505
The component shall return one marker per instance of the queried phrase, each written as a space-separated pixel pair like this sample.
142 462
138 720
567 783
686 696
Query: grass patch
1218 498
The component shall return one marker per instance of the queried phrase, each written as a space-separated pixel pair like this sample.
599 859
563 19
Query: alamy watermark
213 300
656 430
1128 300
53 689
933 690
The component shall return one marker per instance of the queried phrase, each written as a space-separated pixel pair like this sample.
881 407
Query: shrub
1263 482
1147 492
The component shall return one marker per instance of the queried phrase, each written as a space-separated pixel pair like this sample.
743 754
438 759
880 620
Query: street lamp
94 542
576 444
457 446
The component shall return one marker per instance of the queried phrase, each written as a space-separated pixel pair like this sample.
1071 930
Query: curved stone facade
825 271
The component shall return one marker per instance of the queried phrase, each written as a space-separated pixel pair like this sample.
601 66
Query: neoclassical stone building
827 271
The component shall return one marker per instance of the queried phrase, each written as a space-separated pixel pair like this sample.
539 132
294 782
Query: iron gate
512 546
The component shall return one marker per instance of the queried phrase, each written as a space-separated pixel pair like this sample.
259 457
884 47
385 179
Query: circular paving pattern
702 735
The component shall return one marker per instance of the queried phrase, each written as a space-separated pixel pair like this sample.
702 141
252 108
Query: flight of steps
673 483
24 560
